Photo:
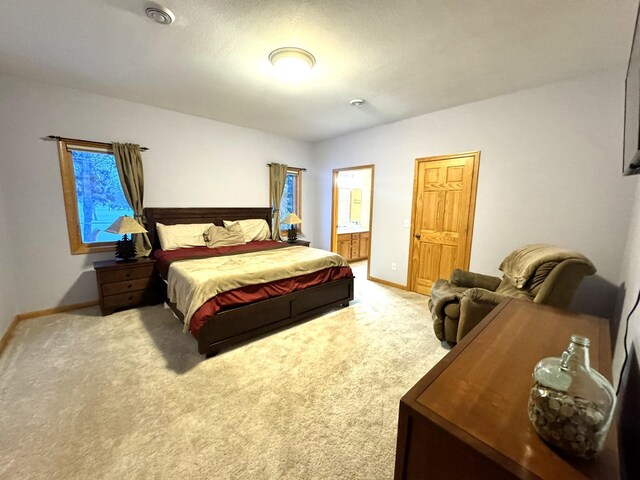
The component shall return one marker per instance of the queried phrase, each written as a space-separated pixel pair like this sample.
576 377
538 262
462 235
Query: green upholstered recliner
537 273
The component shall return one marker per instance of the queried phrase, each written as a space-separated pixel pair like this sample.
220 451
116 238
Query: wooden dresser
467 418
125 284
354 246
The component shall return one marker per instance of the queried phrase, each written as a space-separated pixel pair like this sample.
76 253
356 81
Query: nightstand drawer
122 274
124 299
128 286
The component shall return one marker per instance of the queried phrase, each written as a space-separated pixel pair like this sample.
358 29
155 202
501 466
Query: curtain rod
55 137
303 169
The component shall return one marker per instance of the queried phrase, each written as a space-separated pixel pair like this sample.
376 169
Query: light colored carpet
128 396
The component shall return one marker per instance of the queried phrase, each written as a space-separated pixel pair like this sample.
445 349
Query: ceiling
404 57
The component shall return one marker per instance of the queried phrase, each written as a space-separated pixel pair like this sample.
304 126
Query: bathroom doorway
352 212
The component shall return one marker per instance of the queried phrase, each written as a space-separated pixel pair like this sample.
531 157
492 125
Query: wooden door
444 198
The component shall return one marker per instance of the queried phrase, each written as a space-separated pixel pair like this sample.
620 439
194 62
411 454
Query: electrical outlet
393 266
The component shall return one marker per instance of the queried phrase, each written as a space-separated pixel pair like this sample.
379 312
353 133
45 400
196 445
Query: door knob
418 236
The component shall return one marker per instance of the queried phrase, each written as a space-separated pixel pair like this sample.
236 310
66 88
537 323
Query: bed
229 322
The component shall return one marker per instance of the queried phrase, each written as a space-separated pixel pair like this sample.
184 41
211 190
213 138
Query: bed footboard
238 324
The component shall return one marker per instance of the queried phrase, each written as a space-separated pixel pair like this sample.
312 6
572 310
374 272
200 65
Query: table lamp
125 249
292 219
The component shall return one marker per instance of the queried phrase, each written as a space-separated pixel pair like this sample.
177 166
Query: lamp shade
292 219
124 225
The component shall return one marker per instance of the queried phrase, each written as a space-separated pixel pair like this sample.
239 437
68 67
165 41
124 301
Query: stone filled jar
571 404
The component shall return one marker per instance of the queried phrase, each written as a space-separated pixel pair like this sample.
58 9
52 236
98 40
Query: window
93 195
291 197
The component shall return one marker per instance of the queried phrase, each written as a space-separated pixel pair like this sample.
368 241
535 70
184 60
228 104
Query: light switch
406 223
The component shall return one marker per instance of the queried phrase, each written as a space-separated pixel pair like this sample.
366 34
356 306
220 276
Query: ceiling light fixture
160 14
292 62
357 102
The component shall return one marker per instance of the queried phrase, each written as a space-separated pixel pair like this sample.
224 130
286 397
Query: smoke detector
357 102
160 14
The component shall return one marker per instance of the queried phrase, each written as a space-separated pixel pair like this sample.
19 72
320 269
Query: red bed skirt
255 293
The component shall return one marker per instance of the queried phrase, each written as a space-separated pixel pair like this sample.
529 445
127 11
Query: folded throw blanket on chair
442 293
522 264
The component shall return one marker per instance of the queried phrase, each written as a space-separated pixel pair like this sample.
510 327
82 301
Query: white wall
550 171
7 283
191 162
365 181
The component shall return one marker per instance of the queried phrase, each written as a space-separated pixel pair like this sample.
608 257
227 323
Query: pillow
184 235
253 229
224 236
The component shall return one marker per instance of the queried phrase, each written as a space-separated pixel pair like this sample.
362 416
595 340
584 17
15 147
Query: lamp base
125 250
292 234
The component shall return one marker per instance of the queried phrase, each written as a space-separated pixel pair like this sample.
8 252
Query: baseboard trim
9 333
387 283
60 309
39 313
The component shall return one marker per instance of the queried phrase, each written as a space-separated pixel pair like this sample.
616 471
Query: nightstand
125 284
303 243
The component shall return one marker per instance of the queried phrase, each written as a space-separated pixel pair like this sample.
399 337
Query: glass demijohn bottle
571 404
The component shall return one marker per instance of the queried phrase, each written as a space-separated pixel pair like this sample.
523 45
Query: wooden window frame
298 172
76 245
298 194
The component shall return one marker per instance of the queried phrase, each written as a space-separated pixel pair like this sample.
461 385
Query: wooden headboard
173 216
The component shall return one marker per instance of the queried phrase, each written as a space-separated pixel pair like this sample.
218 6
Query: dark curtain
129 164
277 179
